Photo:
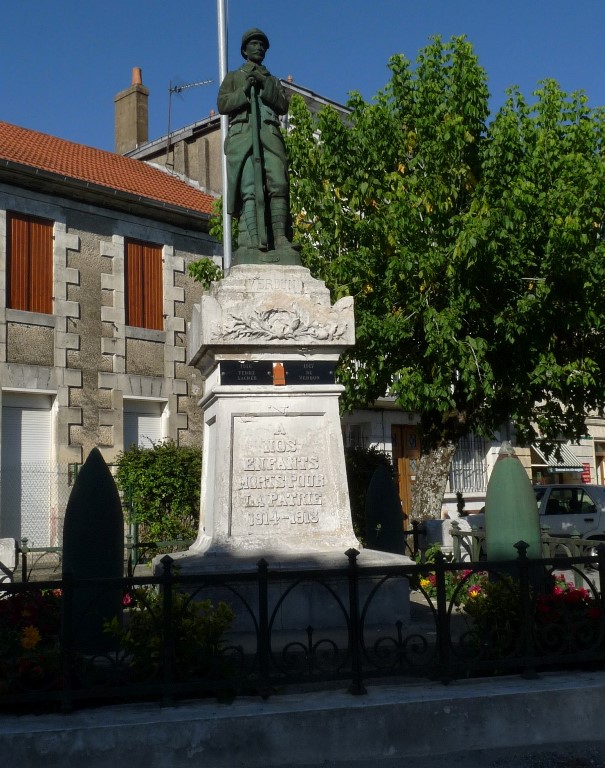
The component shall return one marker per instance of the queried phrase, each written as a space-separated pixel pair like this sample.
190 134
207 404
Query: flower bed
29 639
197 628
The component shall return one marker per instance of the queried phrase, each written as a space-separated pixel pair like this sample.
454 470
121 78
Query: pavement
553 721
582 754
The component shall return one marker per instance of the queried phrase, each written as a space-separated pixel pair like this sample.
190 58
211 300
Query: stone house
94 300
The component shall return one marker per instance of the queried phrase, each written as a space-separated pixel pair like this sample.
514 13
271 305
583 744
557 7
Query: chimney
131 115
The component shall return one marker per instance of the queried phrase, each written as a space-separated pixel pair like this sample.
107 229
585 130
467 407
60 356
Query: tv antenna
178 89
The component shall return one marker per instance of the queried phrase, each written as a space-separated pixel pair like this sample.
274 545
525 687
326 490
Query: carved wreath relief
281 325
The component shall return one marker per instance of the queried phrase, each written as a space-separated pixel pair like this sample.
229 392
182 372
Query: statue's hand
259 77
250 81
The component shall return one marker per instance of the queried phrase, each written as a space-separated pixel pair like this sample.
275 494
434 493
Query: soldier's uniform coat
272 102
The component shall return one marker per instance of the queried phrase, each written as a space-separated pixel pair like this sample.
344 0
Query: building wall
84 355
374 427
194 155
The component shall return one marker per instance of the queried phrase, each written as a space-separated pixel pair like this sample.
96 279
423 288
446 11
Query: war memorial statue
266 340
257 168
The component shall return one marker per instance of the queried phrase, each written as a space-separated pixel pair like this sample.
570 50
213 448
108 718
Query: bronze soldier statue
257 168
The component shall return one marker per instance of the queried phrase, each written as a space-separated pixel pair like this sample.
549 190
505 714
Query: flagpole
222 71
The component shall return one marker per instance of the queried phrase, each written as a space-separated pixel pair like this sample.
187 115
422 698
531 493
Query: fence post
357 687
167 630
601 567
264 634
525 609
443 640
415 537
23 550
129 564
67 640
456 541
574 551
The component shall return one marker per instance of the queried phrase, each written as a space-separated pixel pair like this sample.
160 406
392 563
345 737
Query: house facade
94 300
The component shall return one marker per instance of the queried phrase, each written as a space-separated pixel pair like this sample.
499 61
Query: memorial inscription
278 478
302 372
267 285
309 372
246 372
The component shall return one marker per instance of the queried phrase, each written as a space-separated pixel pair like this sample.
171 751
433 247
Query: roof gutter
98 194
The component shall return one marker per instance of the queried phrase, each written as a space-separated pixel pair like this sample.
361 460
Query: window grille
353 436
468 473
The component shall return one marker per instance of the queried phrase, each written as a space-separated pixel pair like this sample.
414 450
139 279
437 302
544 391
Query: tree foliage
163 485
204 271
473 250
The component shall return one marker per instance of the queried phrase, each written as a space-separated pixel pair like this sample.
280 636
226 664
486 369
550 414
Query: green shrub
197 632
205 271
162 484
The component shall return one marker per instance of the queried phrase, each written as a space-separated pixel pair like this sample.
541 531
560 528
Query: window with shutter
29 263
144 295
142 423
25 464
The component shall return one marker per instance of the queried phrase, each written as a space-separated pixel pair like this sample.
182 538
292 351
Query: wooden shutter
152 281
40 266
134 284
30 263
144 294
18 262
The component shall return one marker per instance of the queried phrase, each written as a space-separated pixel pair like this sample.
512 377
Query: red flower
573 597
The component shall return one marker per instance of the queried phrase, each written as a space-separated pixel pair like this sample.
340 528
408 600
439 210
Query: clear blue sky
64 60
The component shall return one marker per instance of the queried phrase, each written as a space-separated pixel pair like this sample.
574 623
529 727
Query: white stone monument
267 339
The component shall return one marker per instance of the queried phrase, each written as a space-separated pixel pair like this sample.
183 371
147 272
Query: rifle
259 187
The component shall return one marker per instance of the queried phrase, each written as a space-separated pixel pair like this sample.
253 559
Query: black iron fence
75 643
43 563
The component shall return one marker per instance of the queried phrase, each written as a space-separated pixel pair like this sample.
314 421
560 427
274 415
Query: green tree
474 251
204 271
163 484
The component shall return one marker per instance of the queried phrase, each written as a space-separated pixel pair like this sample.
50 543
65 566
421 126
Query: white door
142 423
25 499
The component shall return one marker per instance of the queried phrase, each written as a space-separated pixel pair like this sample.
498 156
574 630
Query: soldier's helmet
253 34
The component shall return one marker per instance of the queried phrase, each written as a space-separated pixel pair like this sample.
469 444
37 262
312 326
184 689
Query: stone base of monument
267 340
316 598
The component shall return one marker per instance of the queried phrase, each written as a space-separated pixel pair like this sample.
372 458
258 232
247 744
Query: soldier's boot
279 223
249 217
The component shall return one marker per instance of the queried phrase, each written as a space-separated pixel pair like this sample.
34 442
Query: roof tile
97 166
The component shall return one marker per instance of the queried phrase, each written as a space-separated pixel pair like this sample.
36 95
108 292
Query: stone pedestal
267 341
